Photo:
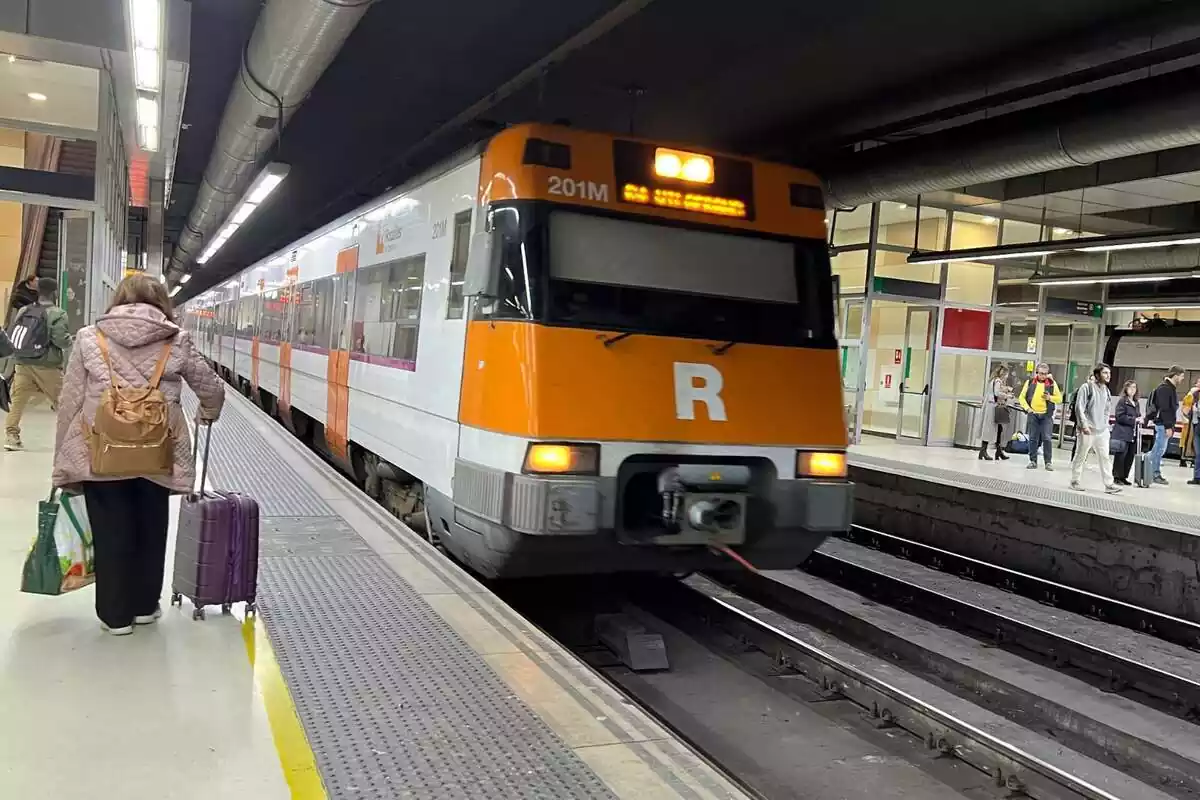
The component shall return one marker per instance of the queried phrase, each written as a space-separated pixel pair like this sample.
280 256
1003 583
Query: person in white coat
1092 429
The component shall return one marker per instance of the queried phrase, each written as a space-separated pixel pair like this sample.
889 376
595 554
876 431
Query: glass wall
919 341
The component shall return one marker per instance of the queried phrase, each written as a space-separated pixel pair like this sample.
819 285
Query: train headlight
683 166
814 464
544 458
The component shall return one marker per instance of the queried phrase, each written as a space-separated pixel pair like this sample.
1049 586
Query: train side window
387 308
272 317
458 264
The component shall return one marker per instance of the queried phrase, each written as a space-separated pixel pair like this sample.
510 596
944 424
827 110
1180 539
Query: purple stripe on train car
406 364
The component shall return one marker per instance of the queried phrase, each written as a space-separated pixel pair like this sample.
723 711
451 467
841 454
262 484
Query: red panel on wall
139 181
966 328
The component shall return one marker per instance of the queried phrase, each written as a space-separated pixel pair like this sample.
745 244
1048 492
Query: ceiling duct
1147 116
294 41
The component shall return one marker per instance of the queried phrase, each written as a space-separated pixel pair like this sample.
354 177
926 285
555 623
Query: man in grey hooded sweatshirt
1091 428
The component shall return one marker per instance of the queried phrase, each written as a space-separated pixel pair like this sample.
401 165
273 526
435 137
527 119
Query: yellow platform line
295 756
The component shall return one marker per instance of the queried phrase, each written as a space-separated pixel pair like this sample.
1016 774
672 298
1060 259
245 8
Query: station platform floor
375 669
1175 507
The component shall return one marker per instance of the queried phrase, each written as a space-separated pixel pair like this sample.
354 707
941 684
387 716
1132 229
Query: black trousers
1123 461
129 521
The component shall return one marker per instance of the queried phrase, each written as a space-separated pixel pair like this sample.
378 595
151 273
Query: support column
154 228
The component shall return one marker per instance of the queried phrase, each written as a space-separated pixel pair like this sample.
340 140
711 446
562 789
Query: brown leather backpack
131 435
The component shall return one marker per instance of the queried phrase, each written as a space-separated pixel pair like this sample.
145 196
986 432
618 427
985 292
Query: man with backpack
1090 404
40 337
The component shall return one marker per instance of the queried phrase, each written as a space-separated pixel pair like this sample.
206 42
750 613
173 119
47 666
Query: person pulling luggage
123 441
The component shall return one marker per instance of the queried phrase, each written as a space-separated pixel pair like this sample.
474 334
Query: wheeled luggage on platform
216 548
1141 465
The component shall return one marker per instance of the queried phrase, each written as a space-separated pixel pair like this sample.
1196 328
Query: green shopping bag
62 558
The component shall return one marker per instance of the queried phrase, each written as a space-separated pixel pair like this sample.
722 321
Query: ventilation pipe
1143 117
293 43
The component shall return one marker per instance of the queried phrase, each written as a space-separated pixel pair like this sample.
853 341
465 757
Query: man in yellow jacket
1039 396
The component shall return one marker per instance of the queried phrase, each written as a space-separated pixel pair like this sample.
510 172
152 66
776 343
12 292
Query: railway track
854 653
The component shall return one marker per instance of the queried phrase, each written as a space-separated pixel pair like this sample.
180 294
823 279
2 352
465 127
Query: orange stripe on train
563 383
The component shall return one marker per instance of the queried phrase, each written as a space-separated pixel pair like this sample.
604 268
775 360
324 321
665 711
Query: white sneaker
1114 489
1076 486
148 619
125 631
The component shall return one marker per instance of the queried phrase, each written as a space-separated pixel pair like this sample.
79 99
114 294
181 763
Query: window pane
851 269
458 264
973 230
967 282
387 308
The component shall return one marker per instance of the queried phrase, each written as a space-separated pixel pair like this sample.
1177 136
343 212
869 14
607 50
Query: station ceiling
775 78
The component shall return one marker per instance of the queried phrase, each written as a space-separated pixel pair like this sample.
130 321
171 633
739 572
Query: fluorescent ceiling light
947 258
1104 248
1152 306
266 182
185 277
148 138
1149 277
175 291
243 211
232 284
147 112
37 97
144 18
145 69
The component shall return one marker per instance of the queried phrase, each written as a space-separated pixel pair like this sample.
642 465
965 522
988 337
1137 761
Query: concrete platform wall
1148 566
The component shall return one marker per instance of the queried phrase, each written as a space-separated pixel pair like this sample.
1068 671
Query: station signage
903 288
1078 308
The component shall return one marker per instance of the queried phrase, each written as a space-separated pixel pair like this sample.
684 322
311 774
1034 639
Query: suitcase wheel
198 613
226 609
251 608
176 599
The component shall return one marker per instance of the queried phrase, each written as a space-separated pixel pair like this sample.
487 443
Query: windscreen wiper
720 350
611 340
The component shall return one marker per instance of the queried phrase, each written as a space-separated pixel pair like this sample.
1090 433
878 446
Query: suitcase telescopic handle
207 448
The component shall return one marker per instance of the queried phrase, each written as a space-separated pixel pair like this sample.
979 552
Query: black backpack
1073 402
30 334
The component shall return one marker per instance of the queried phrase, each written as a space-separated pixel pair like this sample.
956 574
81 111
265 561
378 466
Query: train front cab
650 379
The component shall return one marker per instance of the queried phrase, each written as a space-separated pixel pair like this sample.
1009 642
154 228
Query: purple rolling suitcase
216 548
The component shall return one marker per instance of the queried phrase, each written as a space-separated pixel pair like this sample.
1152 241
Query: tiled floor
1176 506
170 713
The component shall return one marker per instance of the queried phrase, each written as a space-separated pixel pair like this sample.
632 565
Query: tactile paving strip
1089 503
242 461
394 703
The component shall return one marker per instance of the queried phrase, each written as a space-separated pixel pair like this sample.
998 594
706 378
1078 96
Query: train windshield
620 274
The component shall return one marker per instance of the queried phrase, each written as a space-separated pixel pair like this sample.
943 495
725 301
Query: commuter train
564 352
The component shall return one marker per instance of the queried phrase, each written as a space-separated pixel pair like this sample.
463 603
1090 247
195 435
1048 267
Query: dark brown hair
1125 390
141 289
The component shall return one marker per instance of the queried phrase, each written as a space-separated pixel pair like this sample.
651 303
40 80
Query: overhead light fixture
1112 277
266 182
146 35
145 69
1090 244
175 291
184 278
36 97
988 220
1106 248
974 254
1152 306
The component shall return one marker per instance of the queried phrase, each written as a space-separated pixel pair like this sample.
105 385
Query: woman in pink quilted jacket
129 516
